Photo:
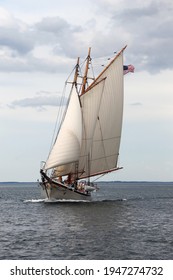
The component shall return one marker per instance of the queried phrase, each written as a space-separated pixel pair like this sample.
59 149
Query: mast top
86 71
76 72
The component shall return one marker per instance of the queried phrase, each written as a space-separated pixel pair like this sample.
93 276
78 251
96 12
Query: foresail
104 148
66 149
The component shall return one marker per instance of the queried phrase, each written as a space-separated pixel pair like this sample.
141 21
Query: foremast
76 74
82 91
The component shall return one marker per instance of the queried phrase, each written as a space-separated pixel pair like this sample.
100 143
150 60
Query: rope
99 177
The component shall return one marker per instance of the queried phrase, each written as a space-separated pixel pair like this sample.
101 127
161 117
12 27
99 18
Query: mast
86 72
76 73
75 83
89 169
104 70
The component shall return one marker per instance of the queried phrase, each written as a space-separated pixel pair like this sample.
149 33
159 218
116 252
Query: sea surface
125 220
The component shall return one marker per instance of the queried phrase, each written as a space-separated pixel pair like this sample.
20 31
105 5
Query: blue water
131 220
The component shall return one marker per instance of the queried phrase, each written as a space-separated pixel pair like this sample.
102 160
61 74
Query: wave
34 200
46 200
64 201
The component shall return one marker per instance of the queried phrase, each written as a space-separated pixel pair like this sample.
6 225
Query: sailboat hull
59 193
56 193
53 190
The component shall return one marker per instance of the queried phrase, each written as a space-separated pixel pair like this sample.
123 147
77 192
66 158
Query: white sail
88 140
90 102
66 149
104 147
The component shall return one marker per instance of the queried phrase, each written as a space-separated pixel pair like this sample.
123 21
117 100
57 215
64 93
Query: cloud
146 27
149 32
41 46
51 43
16 40
15 34
56 25
6 18
57 32
42 100
136 104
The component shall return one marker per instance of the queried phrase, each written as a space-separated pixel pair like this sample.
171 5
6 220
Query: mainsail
89 138
104 149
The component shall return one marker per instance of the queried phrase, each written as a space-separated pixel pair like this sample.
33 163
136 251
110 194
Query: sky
39 43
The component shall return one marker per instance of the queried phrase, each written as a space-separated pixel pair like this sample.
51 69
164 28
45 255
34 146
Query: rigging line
59 116
61 110
68 78
79 84
92 69
82 63
103 60
98 177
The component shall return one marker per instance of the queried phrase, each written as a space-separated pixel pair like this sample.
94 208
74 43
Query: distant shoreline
34 182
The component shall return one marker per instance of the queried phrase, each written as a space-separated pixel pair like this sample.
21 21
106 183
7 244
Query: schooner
88 141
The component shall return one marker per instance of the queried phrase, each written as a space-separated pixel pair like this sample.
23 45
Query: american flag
128 68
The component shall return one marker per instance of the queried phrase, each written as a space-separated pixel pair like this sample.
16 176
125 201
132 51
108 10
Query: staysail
66 149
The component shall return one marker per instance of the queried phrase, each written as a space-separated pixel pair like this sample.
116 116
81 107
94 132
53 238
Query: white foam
34 200
64 200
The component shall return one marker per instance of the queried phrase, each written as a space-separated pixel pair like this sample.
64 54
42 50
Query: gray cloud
150 32
16 40
40 101
136 104
146 27
54 25
147 30
18 43
60 34
12 62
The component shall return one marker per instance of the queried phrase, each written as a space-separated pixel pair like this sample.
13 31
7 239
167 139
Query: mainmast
86 72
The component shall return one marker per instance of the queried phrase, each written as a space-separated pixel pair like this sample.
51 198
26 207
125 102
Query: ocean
124 221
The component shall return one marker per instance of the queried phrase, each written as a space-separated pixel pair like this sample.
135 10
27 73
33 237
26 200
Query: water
124 221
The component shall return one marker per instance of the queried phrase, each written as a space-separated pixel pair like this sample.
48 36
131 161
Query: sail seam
102 141
116 154
108 156
106 139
